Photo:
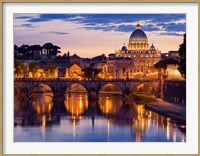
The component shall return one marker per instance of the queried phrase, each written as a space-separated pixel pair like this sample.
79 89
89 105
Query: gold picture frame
74 1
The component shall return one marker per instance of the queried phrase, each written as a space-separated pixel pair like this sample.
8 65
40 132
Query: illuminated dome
124 48
152 48
138 40
138 36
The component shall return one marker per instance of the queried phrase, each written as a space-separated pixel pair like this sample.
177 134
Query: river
78 120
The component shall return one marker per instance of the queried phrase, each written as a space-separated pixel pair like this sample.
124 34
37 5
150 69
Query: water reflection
110 99
145 89
146 126
76 103
76 100
42 99
42 102
149 123
108 129
110 103
17 101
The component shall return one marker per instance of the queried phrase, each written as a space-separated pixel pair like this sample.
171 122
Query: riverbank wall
175 91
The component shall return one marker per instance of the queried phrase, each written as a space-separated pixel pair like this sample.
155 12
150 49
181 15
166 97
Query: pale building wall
75 71
173 72
120 69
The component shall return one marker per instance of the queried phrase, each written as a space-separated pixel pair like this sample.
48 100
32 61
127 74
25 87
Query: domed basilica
138 46
143 56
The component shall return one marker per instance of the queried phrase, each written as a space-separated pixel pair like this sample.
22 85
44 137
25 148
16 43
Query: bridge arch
110 98
76 83
145 84
40 84
76 99
109 85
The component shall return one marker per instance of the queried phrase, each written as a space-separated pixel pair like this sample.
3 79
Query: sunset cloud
98 33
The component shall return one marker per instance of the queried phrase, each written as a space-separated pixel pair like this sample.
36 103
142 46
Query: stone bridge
24 86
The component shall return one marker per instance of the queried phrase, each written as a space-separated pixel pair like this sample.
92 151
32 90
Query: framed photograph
99 78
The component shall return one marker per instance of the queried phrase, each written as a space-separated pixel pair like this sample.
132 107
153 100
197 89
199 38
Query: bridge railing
67 79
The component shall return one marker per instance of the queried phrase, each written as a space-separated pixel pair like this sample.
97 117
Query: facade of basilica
143 58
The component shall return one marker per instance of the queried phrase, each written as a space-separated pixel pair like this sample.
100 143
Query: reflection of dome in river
138 36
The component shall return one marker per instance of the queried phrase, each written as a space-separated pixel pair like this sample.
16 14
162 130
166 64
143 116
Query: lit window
124 70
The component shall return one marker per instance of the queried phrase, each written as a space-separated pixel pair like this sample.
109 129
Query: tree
23 51
15 51
182 54
19 68
87 72
64 56
16 47
50 67
163 63
33 67
47 47
55 50
32 49
52 50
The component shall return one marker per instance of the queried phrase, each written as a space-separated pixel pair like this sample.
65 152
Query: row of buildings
134 61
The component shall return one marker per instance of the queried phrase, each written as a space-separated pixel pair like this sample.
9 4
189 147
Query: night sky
94 34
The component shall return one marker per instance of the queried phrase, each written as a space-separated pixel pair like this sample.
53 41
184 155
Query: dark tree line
182 53
27 51
20 68
87 72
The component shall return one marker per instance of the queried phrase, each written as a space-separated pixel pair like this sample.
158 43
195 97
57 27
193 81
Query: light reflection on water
45 125
110 104
76 103
42 103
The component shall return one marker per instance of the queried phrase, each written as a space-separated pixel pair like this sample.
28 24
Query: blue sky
93 34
